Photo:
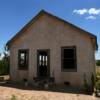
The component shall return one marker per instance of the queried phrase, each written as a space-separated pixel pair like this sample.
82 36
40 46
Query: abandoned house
49 47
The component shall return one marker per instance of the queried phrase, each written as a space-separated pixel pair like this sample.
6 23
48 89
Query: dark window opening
43 58
23 59
69 58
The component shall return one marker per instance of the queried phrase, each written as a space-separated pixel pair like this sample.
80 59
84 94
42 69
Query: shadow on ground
54 88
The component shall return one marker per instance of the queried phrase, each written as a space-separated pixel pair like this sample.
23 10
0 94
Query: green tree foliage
98 62
4 64
4 67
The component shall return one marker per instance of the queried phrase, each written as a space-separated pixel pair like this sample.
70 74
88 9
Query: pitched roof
45 12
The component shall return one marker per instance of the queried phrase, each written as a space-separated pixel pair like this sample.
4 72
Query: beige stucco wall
49 33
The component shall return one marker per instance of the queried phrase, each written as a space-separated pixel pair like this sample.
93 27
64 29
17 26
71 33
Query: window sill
69 70
23 69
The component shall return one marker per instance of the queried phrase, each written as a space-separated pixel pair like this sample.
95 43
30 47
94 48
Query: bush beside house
4 64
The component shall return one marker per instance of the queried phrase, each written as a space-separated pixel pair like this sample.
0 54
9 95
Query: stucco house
51 47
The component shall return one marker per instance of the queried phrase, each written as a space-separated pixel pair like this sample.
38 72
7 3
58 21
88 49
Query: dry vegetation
98 69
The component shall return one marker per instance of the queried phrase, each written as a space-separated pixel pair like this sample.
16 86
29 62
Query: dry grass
6 77
98 69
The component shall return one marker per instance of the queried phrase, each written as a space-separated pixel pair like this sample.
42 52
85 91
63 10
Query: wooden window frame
19 59
75 54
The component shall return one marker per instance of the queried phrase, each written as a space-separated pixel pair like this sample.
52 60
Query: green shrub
4 67
93 82
86 86
98 62
97 85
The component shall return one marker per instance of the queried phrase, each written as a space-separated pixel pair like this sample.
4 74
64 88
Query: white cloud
80 11
94 11
91 11
91 17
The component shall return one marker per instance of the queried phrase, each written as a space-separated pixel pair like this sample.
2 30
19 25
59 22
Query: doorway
43 63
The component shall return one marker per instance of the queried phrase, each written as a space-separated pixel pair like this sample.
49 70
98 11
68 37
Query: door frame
48 66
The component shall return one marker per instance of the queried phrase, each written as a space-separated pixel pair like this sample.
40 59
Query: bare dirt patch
8 93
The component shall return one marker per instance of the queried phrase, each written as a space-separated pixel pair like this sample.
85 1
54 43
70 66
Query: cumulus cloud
80 11
91 17
92 12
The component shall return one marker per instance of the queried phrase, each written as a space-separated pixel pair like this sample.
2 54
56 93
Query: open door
43 65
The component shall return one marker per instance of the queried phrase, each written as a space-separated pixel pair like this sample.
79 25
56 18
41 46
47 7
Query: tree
98 63
4 63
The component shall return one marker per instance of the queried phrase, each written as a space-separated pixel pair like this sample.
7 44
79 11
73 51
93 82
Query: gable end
93 37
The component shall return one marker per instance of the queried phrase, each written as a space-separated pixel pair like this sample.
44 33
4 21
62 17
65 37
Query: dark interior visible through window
69 58
23 59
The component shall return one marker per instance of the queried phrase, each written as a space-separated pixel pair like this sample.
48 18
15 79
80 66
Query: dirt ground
9 93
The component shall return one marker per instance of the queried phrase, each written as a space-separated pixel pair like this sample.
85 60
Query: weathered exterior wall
49 33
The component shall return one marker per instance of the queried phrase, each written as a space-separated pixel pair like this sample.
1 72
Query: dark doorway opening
43 64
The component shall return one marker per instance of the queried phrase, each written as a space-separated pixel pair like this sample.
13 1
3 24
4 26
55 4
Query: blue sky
14 14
